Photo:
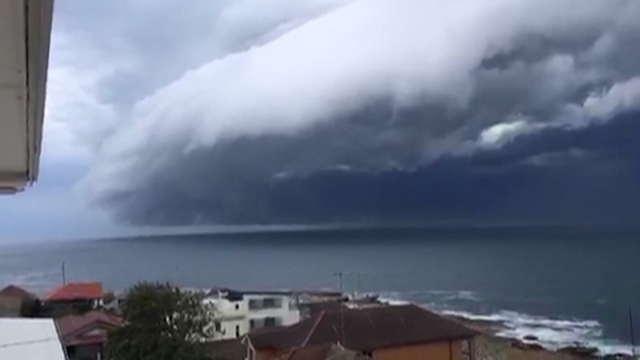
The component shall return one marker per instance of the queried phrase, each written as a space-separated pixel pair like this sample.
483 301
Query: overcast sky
336 111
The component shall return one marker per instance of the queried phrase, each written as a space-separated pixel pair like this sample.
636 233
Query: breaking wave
548 332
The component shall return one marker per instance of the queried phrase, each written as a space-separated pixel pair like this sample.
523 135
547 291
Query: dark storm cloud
586 176
504 117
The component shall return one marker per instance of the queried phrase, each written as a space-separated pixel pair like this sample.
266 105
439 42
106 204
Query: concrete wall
229 328
265 355
10 306
433 351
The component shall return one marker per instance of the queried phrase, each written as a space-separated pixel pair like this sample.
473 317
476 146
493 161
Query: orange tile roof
76 291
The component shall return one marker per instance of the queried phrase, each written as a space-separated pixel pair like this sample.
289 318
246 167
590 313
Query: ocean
562 285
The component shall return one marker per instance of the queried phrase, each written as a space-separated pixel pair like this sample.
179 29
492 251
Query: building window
218 326
272 303
237 307
237 331
255 304
269 322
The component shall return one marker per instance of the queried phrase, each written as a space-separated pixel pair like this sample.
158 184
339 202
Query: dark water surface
562 284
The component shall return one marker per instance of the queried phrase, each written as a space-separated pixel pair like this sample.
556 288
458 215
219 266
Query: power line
23 343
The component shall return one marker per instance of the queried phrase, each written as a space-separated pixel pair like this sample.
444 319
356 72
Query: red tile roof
77 291
74 328
16 292
364 329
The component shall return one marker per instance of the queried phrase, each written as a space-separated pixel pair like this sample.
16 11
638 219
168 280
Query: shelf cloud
378 110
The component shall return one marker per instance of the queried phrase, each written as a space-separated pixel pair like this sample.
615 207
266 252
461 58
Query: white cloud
77 117
499 134
620 97
405 50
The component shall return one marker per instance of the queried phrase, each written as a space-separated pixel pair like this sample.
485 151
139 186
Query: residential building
378 332
74 298
17 302
29 339
238 312
85 336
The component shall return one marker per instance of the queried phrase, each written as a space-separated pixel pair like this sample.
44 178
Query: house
379 332
74 298
16 302
29 339
238 312
85 336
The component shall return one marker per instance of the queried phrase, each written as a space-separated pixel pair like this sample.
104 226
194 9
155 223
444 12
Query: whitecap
552 333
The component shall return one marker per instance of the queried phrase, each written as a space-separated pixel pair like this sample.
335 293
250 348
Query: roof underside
25 30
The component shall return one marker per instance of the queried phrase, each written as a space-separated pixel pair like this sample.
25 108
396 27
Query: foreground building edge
23 77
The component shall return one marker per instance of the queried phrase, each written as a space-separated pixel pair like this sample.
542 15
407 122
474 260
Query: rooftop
74 327
219 291
30 339
77 291
364 329
231 349
16 292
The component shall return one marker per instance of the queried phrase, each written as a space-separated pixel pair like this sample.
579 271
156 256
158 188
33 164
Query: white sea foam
551 333
435 296
392 298
464 295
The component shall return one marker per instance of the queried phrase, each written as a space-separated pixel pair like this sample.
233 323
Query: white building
30 339
238 312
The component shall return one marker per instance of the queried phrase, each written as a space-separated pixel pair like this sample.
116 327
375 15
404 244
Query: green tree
161 322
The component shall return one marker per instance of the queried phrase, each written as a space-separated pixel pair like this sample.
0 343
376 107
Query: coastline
493 344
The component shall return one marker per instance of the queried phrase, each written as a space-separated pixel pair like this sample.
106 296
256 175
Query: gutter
38 24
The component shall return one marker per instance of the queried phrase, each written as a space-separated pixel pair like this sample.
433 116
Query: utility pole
340 275
633 344
64 277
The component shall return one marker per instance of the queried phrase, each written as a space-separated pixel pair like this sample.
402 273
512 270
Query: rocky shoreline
528 348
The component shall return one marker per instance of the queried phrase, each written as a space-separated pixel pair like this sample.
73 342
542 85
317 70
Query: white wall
232 314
